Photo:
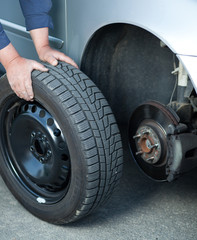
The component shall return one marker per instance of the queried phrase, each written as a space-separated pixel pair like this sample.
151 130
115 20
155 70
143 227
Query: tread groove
96 126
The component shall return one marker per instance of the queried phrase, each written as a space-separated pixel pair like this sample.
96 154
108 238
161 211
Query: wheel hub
148 144
40 147
148 130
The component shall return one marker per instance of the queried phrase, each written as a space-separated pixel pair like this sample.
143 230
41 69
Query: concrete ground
140 209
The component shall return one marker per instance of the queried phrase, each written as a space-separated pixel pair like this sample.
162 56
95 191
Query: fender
171 21
77 21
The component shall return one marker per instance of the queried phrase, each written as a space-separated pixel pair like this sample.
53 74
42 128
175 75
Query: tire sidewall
76 191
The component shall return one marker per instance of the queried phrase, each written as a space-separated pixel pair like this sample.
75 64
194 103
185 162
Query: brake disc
148 129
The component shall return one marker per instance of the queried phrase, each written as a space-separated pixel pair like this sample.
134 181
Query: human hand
19 76
50 55
19 71
40 37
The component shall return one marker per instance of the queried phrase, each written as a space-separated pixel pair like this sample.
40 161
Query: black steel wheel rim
35 150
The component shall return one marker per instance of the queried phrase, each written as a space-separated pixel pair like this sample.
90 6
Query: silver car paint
173 22
76 21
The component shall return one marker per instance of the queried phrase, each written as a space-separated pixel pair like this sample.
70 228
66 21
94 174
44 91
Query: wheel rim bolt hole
49 153
43 138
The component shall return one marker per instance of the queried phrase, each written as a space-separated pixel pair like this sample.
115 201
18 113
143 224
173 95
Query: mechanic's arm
38 21
45 52
18 69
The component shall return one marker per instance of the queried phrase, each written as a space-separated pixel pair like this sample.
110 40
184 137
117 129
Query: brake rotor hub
148 144
148 137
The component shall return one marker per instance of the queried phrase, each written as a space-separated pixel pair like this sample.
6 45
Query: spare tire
60 155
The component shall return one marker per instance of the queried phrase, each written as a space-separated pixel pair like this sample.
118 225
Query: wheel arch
109 51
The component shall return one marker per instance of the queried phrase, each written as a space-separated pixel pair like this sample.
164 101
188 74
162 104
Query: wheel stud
41 160
139 153
137 136
151 159
43 138
154 146
33 134
145 132
48 153
31 148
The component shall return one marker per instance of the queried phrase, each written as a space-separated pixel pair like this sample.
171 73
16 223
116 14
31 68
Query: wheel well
129 66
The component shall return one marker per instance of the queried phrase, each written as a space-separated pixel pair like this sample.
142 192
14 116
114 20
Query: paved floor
139 210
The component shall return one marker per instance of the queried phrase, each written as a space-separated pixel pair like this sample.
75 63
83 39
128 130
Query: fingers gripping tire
60 155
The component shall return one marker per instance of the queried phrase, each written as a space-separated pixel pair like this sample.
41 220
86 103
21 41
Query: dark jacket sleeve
4 41
36 13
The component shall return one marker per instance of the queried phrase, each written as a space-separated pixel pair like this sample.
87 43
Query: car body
76 23
132 50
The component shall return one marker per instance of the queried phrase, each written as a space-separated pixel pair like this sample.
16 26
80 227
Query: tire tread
97 129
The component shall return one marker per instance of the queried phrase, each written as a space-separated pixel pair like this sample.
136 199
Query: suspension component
162 147
148 143
148 131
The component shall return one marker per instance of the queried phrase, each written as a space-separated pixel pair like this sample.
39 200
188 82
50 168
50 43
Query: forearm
40 38
7 55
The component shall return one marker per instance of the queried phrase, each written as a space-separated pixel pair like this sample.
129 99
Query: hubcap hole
39 147
61 145
65 157
50 121
34 108
42 114
57 132
26 107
